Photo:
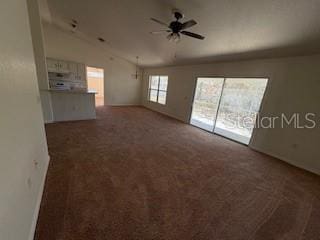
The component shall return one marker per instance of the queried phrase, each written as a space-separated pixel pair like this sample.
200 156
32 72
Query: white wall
23 147
40 59
120 87
294 86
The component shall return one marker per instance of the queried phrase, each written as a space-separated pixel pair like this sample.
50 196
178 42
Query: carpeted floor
136 174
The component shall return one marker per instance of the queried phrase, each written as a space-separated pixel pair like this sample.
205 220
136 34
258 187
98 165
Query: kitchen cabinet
63 66
73 70
59 66
67 75
81 72
78 71
52 65
72 105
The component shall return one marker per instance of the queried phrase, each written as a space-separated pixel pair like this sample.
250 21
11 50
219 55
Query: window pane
162 97
153 95
239 106
206 102
154 82
163 83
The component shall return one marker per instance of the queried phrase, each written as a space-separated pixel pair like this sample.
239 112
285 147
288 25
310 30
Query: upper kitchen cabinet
66 75
81 72
58 66
52 65
64 66
78 71
73 70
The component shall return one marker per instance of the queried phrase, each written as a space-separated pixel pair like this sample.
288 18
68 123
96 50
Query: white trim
50 121
38 203
164 113
284 159
124 104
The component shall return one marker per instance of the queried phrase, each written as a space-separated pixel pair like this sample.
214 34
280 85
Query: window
158 89
228 106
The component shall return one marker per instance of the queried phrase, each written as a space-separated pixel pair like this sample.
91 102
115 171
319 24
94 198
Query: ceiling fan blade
188 24
194 35
159 32
158 21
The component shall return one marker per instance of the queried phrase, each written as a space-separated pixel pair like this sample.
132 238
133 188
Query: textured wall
294 86
23 147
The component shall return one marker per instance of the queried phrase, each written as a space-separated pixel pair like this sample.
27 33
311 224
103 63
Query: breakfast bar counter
71 105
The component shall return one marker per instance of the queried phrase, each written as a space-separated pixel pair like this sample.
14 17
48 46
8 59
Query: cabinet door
81 72
63 66
73 71
52 65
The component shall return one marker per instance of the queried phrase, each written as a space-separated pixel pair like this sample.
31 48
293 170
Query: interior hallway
137 174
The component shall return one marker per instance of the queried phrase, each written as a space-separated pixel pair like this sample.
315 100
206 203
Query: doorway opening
95 78
228 106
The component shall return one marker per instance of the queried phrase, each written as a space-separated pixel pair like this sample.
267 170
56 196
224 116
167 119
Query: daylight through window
158 89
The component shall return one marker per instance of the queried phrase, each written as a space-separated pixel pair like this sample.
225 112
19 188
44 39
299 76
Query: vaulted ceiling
234 29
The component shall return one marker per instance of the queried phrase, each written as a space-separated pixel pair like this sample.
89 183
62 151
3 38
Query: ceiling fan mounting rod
177 14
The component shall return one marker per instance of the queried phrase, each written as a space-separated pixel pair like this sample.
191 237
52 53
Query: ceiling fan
175 28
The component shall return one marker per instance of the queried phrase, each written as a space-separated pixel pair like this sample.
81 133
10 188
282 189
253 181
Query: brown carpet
136 174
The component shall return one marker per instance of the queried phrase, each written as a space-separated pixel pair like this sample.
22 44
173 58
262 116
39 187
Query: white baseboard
38 203
123 105
165 113
284 159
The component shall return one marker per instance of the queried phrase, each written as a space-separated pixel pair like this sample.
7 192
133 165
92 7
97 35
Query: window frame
158 88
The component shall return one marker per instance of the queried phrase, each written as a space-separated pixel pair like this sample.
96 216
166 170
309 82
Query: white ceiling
234 29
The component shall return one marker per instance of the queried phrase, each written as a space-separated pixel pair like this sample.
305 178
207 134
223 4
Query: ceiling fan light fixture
174 37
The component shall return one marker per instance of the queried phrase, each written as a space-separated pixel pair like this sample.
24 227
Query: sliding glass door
228 106
206 101
239 105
